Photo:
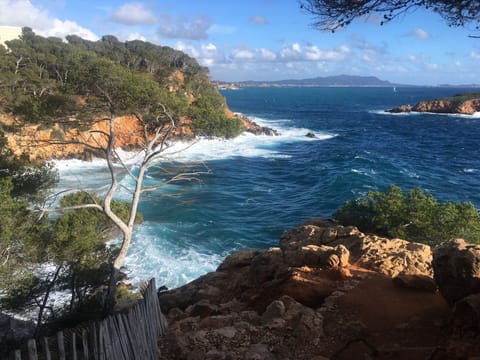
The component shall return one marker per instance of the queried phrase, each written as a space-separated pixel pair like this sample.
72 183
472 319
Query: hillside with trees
49 81
67 89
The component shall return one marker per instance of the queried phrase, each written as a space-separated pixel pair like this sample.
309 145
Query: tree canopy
335 14
46 80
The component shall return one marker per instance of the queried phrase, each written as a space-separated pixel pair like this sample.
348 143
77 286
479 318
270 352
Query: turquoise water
259 186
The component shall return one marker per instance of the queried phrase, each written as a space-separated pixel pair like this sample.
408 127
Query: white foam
475 115
203 149
150 255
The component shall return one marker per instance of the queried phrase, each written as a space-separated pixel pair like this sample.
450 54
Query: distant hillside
338 80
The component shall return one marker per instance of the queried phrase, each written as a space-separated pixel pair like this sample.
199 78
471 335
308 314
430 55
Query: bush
413 216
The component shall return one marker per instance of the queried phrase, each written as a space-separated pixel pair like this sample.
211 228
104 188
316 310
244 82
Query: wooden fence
128 336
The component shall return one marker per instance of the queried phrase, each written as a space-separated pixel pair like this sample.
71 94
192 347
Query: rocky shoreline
66 142
330 292
458 104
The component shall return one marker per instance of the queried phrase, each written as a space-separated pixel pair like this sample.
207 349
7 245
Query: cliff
330 292
61 142
467 104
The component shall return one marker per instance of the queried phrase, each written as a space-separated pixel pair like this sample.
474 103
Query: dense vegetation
48 80
461 98
73 245
414 216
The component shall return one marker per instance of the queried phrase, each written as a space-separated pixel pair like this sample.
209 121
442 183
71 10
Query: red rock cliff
59 143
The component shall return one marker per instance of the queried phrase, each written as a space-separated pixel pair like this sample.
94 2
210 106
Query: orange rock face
467 107
60 143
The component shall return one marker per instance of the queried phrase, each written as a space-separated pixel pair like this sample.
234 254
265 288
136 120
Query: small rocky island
466 103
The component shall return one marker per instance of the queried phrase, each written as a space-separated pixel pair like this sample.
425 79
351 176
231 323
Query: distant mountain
338 80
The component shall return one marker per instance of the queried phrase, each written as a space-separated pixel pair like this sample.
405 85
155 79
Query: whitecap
152 255
475 115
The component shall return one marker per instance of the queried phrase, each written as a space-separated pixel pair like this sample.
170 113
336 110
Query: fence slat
61 346
131 335
74 346
85 344
18 355
32 349
46 349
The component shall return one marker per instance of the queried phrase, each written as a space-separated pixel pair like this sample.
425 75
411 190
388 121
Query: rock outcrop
400 109
252 127
467 107
63 141
457 269
458 104
327 291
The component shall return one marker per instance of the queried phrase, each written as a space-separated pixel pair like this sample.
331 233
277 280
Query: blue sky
266 39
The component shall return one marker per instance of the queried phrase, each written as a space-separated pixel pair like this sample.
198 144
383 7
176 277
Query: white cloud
207 54
133 14
184 28
474 55
259 20
419 34
253 55
135 36
296 52
23 13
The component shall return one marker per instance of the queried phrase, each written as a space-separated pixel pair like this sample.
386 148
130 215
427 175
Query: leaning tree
111 91
335 14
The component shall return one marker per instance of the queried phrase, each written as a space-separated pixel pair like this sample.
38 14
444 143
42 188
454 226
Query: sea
250 189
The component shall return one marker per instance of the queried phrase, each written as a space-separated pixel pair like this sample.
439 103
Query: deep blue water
260 186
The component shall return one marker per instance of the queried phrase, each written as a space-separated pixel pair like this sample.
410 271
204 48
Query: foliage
209 119
414 216
22 237
75 241
335 14
458 99
30 182
47 81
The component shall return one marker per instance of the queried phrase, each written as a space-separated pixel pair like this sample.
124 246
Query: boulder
456 267
318 256
238 259
391 257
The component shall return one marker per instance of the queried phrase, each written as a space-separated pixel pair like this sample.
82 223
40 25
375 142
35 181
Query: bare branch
334 14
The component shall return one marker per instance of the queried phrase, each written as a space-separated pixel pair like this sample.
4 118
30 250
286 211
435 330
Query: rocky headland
467 104
64 140
331 292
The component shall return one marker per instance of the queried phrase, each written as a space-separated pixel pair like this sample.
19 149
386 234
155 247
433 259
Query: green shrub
414 216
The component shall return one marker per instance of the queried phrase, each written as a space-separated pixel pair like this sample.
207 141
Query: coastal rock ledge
329 292
466 104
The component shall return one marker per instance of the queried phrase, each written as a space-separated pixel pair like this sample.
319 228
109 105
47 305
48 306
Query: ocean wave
153 253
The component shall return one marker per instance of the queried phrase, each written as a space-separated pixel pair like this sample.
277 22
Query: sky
266 39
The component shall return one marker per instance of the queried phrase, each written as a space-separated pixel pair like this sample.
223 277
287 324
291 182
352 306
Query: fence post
85 344
32 349
46 348
18 355
74 346
61 346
